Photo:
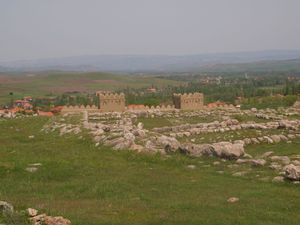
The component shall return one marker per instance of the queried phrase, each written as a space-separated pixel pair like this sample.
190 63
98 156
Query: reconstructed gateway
113 102
190 101
110 102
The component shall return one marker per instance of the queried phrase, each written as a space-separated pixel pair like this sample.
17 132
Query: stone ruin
110 102
190 101
113 102
79 109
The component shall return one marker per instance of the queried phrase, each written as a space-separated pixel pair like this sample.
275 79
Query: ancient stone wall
143 107
191 101
109 102
79 109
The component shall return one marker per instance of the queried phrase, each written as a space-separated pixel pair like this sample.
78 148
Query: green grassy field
43 83
150 123
92 185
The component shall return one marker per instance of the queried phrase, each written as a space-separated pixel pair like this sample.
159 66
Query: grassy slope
58 82
100 186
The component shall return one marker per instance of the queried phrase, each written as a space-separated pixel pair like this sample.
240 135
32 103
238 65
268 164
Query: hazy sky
32 29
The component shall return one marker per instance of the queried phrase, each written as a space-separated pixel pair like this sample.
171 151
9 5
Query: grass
150 123
246 118
231 135
95 186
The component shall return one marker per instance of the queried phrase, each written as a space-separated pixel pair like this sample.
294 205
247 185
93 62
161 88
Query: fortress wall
143 107
110 102
190 101
79 109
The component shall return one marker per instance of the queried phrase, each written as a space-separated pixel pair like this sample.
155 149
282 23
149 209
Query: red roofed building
56 109
23 104
42 113
216 104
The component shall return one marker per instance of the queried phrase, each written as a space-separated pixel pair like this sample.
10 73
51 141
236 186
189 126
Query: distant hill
154 63
292 65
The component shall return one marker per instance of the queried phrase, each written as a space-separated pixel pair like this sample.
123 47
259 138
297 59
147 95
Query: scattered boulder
292 172
140 126
242 161
170 144
49 220
247 156
191 166
296 162
31 169
267 154
278 179
5 207
38 219
233 199
275 166
32 212
239 174
258 162
197 150
228 150
275 138
284 159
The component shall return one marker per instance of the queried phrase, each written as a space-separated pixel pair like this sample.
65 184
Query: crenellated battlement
190 101
145 107
111 102
79 109
112 95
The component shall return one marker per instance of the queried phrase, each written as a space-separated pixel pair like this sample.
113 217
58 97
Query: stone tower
110 102
192 101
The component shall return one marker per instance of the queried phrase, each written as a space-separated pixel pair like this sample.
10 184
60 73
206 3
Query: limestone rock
233 199
228 150
242 161
275 138
278 179
275 166
32 212
170 144
197 150
191 166
258 162
284 159
140 126
31 169
139 133
239 174
267 154
296 162
247 156
38 219
6 207
49 220
292 172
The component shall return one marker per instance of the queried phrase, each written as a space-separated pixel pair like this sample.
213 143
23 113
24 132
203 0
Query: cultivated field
54 83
